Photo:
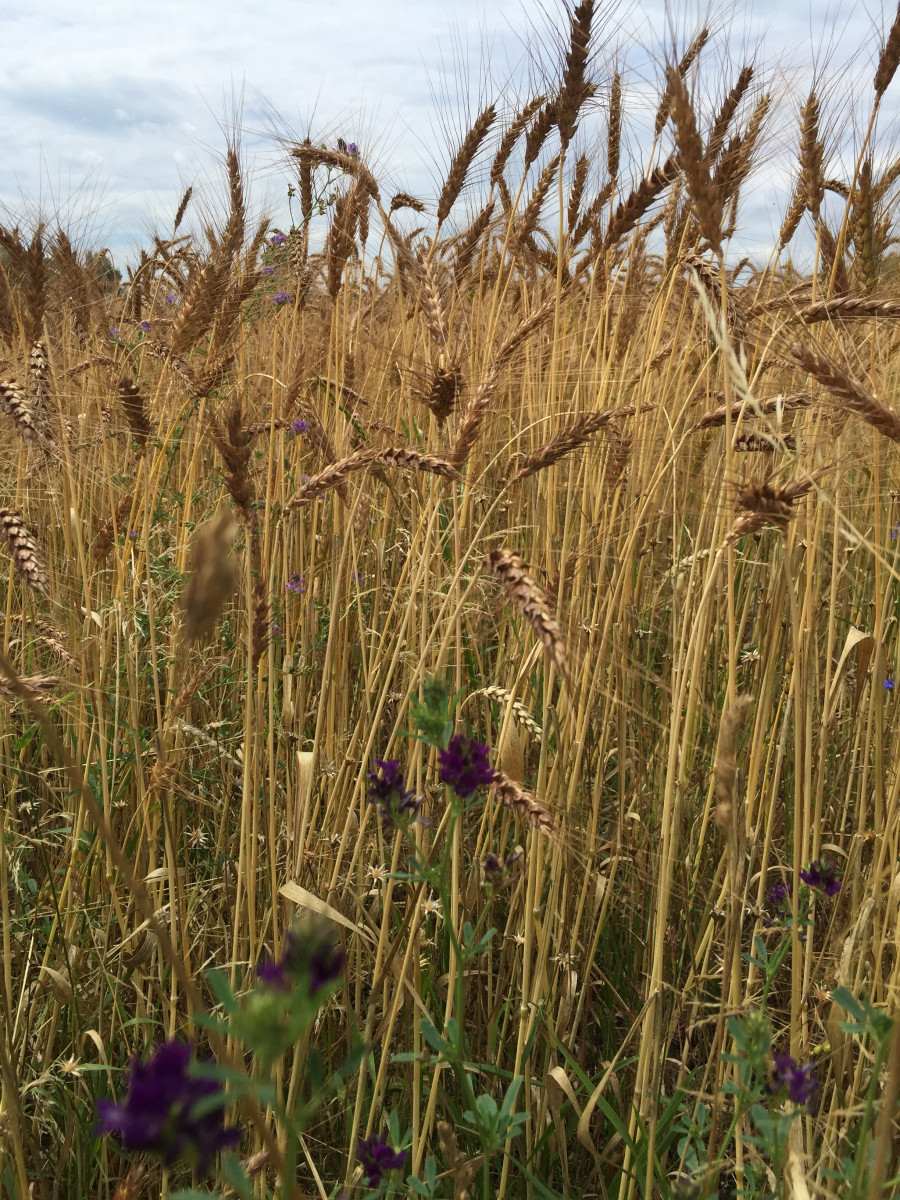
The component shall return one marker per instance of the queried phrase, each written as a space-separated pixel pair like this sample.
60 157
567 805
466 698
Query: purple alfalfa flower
146 326
387 791
114 332
889 684
298 426
800 1082
376 1158
779 899
282 298
464 765
268 270
349 148
496 872
893 535
297 584
170 299
358 578
160 1111
821 875
278 238
311 956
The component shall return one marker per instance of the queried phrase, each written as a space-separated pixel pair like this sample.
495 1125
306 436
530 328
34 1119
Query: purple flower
278 238
132 533
146 326
779 898
281 298
311 955
889 685
464 765
800 1081
298 426
822 876
376 1157
358 578
893 535
268 270
159 1116
297 584
114 332
170 299
348 148
387 790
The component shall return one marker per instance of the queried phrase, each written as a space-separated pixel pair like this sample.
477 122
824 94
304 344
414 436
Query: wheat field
533 464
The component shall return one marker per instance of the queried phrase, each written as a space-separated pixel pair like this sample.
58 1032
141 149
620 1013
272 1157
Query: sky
112 108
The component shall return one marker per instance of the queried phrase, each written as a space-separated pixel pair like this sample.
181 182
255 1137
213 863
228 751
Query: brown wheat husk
212 578
523 803
854 396
462 160
531 600
614 129
889 59
576 88
135 411
405 200
366 460
760 504
579 179
564 443
14 404
719 416
849 308
630 211
510 137
23 550
112 527
469 241
812 154
688 60
37 685
706 199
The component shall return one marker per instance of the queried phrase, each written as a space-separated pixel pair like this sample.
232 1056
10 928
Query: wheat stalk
366 460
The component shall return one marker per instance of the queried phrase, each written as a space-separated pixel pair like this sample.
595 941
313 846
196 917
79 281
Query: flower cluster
349 148
298 426
268 270
170 299
278 238
822 876
799 1082
376 1157
464 765
496 872
388 793
146 326
282 298
310 955
297 584
166 1111
779 899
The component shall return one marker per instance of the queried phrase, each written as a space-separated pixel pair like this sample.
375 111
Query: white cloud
145 89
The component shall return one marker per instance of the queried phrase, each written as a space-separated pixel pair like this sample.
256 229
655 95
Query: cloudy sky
112 108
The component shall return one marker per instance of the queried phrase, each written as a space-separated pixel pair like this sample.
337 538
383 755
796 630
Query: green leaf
435 1040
